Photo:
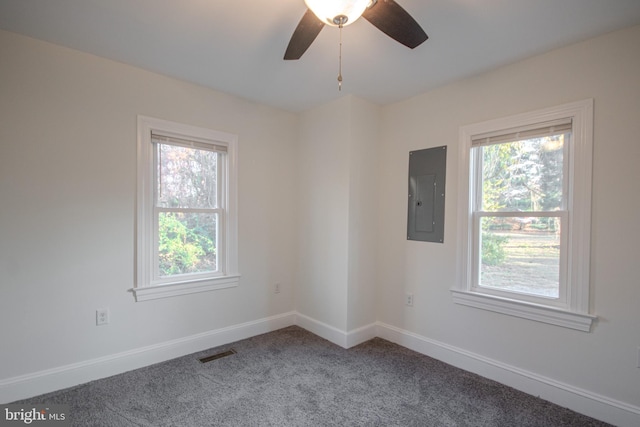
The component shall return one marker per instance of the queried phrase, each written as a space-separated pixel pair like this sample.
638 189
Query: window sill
539 313
184 288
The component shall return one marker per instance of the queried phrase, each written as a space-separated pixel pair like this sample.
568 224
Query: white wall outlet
276 288
408 300
102 316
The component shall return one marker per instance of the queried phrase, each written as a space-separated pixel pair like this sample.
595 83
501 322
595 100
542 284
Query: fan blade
305 33
394 21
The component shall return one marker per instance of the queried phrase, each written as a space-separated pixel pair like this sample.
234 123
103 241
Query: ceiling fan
387 15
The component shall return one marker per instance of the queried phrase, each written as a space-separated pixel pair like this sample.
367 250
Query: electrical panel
427 173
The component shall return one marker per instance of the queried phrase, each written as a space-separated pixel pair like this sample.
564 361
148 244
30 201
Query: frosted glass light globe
330 11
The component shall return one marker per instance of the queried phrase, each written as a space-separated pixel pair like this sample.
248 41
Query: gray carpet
291 377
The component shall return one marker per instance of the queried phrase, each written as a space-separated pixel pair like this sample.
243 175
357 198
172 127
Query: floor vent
217 356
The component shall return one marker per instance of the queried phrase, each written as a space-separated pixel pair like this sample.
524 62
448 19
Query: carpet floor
292 377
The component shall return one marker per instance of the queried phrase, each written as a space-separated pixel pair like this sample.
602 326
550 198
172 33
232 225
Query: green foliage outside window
493 252
185 244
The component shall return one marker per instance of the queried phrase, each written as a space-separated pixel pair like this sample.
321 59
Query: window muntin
186 238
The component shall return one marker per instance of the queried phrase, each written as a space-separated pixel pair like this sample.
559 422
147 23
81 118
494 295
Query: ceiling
236 46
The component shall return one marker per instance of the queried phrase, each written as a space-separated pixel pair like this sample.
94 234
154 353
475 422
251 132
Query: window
525 208
186 210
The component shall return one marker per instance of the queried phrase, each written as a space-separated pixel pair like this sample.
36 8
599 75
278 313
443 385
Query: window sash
157 279
476 163
220 170
556 127
476 262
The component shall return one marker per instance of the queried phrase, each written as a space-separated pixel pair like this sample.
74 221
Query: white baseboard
322 330
335 335
360 335
24 386
585 402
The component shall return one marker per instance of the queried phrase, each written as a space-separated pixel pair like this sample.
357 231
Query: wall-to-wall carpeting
291 377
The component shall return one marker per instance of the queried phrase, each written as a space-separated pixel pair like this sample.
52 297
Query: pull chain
340 61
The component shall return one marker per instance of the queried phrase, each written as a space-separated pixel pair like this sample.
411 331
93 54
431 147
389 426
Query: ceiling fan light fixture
337 12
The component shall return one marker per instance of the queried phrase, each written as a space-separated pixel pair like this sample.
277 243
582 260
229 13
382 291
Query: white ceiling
236 46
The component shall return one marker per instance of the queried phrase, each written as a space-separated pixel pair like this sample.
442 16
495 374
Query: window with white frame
186 228
524 219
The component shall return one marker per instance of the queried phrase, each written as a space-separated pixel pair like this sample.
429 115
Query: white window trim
144 288
575 314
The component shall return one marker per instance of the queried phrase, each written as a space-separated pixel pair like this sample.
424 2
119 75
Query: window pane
521 254
523 175
187 243
187 177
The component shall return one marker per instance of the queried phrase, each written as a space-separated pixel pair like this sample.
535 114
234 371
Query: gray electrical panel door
427 172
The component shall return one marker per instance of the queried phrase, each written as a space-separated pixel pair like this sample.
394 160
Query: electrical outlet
276 288
102 316
408 300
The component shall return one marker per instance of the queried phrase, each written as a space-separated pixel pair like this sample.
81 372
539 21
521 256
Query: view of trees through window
186 206
522 190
